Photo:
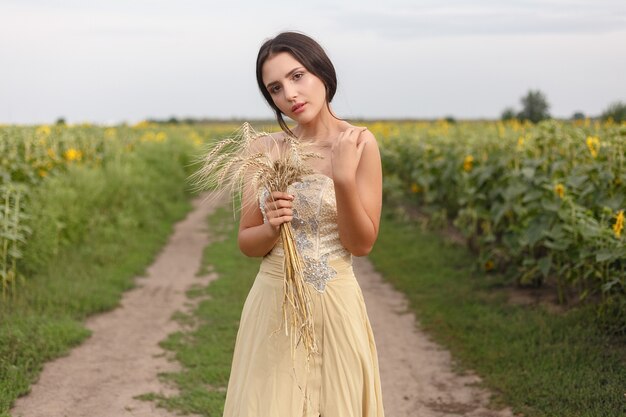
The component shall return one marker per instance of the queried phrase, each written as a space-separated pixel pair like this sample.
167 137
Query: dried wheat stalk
249 156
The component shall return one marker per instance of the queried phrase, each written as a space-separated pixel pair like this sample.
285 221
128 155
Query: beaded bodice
315 227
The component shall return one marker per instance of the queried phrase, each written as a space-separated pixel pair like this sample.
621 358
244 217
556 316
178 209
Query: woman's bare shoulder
366 136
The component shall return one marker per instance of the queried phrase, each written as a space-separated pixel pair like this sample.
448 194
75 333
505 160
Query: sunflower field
535 202
32 155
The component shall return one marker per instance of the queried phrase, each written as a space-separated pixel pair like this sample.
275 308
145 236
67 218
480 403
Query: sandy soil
122 358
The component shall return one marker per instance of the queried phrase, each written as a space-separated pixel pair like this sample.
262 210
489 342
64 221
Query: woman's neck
322 128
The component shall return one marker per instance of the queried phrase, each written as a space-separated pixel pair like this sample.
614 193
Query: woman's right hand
278 208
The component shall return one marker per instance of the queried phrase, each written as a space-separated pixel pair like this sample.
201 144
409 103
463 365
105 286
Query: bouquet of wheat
230 163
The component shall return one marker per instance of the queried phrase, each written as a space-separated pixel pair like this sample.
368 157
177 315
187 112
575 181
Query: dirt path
122 358
416 373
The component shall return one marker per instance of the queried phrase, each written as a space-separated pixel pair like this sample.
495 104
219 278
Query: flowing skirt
343 378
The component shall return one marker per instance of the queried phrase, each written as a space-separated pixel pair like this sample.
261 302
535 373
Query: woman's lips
298 108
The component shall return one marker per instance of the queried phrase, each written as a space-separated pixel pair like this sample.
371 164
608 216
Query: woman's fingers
346 153
278 203
282 212
352 132
276 218
282 218
359 148
349 138
278 199
278 208
276 195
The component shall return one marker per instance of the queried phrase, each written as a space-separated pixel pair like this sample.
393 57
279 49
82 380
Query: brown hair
306 51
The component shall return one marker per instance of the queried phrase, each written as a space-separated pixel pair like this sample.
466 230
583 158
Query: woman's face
290 83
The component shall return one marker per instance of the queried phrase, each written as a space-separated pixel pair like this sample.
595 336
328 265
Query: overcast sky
127 60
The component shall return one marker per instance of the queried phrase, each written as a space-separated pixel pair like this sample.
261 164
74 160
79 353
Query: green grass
115 219
542 364
206 352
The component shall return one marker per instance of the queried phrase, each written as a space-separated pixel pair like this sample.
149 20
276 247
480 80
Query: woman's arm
256 238
359 195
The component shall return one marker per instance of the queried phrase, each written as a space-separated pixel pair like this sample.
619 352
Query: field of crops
31 155
536 202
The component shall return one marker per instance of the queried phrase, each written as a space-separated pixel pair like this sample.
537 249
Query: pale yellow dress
343 379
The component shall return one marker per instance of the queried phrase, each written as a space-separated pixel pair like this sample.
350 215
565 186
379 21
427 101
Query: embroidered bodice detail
315 227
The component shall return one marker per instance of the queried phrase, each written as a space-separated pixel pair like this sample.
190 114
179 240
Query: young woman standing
335 214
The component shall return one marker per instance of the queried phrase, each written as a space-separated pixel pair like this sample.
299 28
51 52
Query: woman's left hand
346 153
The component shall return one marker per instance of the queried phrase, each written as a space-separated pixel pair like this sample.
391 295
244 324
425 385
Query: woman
335 215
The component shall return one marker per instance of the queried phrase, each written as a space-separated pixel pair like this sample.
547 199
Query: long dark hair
306 51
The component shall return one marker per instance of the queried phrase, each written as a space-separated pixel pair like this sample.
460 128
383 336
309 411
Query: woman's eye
296 76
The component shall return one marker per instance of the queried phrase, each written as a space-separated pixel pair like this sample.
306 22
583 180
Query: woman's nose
290 92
